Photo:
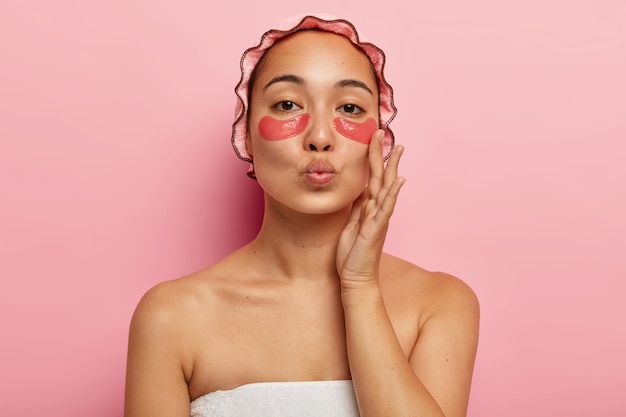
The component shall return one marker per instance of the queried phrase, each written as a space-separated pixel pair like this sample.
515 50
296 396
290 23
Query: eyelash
356 109
279 106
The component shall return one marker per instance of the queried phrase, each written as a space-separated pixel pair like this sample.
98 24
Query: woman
311 318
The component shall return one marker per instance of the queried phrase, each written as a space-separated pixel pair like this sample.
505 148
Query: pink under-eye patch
360 132
276 129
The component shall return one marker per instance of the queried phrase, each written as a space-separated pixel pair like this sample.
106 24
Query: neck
299 246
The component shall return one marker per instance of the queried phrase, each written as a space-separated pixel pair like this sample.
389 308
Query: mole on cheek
360 132
274 129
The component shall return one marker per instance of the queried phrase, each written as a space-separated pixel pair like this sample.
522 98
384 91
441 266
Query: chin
318 204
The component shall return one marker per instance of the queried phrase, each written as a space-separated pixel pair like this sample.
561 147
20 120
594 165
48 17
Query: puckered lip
320 173
320 167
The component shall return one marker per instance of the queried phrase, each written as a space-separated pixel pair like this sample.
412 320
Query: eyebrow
290 78
354 83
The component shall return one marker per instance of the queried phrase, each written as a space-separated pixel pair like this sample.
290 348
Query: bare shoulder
181 299
183 304
162 318
434 292
165 302
436 318
163 332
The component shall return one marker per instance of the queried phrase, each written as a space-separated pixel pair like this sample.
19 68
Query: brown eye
351 109
286 106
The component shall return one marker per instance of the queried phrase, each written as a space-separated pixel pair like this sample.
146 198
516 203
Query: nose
320 137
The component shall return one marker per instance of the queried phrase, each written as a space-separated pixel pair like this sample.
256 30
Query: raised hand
361 242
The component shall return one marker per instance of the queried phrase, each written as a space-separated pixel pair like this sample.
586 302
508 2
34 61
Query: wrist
360 293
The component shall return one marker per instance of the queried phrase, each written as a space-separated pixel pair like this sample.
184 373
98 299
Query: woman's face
313 110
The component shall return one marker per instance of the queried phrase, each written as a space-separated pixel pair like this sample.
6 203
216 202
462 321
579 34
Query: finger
390 174
375 220
389 202
391 171
377 165
357 209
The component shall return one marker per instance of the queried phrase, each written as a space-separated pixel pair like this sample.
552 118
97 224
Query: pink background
116 173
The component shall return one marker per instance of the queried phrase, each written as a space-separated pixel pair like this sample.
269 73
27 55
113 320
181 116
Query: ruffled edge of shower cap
328 23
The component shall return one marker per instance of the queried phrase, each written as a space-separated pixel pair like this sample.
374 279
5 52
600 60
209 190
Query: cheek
274 129
360 132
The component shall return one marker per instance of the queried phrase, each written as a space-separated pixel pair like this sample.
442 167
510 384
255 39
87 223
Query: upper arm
155 381
443 356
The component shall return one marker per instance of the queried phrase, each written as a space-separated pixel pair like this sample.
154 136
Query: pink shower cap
250 58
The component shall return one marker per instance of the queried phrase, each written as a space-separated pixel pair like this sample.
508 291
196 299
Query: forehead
315 50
